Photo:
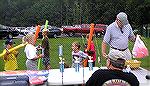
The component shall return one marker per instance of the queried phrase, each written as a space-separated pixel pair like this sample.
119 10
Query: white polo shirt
30 51
115 38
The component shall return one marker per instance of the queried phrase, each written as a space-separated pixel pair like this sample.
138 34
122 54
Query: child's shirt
45 45
79 56
30 51
11 61
92 48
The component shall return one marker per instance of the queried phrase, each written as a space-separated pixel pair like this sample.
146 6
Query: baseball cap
117 60
123 18
9 41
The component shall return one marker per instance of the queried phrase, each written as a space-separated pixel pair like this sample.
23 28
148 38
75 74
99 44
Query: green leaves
70 12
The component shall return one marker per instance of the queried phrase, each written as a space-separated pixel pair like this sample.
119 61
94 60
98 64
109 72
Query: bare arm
7 53
104 46
5 56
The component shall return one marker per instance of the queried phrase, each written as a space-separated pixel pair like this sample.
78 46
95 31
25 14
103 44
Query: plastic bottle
77 66
90 64
61 66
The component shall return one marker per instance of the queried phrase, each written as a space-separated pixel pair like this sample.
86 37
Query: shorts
124 54
31 64
46 60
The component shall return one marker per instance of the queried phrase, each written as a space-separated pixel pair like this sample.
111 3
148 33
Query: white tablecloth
70 77
141 74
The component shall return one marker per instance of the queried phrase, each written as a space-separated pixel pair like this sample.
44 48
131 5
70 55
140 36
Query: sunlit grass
66 42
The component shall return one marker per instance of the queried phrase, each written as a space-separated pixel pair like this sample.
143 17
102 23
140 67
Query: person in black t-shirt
113 75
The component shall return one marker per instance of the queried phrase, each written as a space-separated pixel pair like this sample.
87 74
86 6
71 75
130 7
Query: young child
77 54
10 57
45 46
31 53
91 52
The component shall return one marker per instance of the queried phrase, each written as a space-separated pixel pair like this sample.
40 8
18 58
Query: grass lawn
66 42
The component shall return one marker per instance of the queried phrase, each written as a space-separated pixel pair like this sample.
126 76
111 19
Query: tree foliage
70 12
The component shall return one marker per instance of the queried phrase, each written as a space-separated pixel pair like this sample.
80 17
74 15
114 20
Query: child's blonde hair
28 37
76 43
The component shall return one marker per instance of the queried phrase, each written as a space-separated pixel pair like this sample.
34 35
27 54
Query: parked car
52 32
25 30
99 29
8 31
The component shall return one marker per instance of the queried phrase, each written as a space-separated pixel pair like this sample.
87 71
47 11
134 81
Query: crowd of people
117 36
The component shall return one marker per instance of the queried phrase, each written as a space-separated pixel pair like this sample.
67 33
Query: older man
114 75
117 36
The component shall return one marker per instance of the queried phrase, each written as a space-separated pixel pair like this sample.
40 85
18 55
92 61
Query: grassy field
66 42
